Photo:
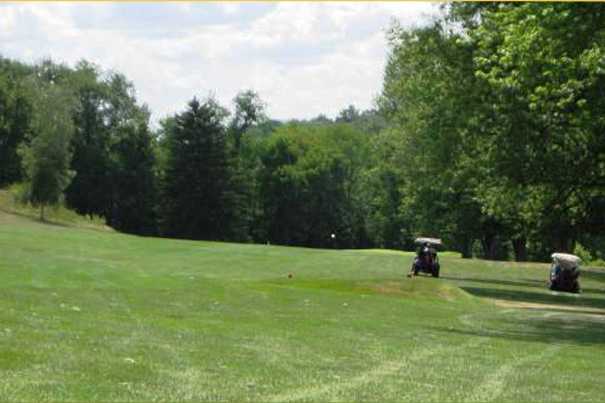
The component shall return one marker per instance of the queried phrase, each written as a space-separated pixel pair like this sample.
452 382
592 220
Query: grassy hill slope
95 315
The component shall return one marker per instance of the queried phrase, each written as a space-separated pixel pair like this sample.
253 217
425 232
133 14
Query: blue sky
302 58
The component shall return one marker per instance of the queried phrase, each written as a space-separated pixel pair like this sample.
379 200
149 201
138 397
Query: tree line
487 133
496 113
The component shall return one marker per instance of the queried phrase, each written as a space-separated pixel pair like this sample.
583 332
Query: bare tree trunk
520 249
489 243
466 248
564 240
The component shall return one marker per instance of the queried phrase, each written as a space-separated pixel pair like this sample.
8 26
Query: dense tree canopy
502 104
15 118
542 67
102 118
310 183
488 133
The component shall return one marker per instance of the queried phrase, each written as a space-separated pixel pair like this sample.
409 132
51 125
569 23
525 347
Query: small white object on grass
129 360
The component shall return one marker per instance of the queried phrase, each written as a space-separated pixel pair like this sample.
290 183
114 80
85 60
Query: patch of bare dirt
391 287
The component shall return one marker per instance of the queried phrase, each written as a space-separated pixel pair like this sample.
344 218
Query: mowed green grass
91 315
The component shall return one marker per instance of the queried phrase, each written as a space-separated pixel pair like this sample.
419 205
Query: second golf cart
564 272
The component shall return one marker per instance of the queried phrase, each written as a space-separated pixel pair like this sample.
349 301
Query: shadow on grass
597 275
32 218
590 290
555 323
520 283
575 331
540 284
545 297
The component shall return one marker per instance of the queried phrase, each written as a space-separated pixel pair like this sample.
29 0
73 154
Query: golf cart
426 260
564 272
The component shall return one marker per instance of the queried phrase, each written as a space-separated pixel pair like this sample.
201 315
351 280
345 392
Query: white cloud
302 58
230 7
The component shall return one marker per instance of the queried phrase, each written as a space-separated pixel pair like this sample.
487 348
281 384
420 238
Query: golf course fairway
93 315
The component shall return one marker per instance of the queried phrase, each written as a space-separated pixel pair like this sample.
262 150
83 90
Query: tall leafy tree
89 192
348 115
428 97
496 108
47 157
309 186
111 144
542 67
15 118
249 112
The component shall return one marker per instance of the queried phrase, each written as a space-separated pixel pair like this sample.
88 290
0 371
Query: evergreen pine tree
133 194
197 177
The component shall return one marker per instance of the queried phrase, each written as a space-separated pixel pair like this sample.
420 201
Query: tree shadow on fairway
521 283
561 328
543 317
590 290
594 274
34 219
531 283
545 297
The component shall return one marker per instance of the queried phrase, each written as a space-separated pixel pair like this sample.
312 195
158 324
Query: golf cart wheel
435 272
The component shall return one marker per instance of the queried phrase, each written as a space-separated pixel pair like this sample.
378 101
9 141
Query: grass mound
58 215
395 287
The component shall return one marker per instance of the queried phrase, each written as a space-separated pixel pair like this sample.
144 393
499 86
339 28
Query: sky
302 58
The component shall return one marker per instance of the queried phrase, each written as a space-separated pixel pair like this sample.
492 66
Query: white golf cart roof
566 260
430 241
